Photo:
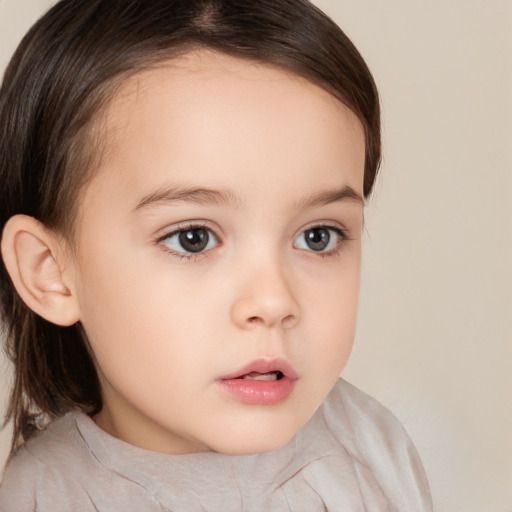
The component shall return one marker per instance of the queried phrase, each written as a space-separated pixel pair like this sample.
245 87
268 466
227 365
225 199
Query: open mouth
261 382
276 375
264 370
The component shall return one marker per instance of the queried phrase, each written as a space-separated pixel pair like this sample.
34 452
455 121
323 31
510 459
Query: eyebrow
200 196
330 196
216 197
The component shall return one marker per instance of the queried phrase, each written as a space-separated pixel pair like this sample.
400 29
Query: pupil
194 240
317 239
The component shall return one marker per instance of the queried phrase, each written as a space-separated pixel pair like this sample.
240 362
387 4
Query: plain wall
434 341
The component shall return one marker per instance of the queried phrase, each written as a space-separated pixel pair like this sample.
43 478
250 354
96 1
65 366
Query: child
182 206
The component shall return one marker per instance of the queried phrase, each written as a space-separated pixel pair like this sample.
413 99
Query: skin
164 325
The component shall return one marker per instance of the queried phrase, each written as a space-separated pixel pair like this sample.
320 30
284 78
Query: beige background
435 334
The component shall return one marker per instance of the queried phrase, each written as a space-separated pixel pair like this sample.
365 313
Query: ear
36 260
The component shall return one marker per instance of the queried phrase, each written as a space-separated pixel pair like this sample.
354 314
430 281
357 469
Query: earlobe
35 262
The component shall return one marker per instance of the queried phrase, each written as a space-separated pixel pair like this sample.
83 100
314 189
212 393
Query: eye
320 239
190 240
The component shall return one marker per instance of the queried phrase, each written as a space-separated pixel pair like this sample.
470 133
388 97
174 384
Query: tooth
260 376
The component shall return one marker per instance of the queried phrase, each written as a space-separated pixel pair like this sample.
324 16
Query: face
218 255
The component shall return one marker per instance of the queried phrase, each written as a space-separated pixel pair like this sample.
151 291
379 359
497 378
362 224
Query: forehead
226 121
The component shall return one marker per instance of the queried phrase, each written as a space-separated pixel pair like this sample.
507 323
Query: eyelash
342 235
183 229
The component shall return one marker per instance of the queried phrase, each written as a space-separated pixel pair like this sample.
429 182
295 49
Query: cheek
133 313
331 317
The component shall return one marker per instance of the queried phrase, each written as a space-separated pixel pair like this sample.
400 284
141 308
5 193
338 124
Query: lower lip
258 392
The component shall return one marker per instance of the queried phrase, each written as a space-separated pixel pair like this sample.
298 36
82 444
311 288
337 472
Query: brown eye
194 240
191 240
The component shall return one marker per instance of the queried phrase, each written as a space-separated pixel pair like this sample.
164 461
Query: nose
265 299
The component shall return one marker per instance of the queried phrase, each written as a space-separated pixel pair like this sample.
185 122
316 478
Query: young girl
183 184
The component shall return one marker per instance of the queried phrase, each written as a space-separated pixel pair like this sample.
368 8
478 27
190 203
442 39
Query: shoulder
378 442
58 470
20 480
43 468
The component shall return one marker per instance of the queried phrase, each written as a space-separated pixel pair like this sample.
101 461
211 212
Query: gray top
352 456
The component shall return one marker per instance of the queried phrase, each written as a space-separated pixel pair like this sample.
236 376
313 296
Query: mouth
261 382
264 369
277 375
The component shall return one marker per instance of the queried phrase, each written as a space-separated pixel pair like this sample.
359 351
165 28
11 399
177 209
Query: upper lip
263 365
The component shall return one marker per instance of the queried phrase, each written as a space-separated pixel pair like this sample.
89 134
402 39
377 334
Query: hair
65 70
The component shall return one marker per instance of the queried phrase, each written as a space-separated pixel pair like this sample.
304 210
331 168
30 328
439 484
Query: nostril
253 312
288 321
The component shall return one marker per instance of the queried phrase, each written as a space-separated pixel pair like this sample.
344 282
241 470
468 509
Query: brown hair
65 69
